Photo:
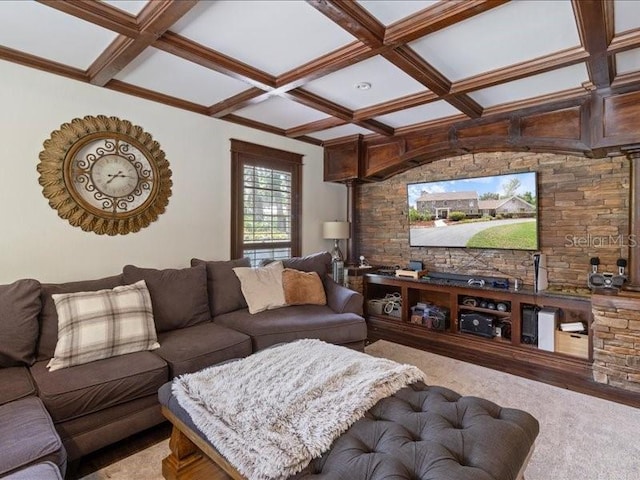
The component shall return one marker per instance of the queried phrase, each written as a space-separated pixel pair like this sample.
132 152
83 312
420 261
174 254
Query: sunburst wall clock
105 175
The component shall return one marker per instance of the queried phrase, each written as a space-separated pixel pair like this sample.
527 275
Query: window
266 193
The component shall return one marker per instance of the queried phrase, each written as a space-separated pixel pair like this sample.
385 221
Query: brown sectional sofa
201 319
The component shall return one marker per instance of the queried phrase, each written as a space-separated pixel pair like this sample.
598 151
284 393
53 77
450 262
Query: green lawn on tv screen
519 235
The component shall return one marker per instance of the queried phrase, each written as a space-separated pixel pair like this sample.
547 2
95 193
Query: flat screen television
497 212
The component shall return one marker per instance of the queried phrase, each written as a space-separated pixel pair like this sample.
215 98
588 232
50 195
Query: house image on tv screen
440 204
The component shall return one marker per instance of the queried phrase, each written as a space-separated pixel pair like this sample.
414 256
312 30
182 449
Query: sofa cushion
225 294
48 315
262 286
16 383
39 471
302 288
191 349
317 262
102 324
293 323
73 392
19 308
27 436
179 296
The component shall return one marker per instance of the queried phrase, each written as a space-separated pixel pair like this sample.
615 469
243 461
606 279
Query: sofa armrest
342 299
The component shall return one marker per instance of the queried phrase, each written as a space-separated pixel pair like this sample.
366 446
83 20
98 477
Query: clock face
105 175
114 176
111 177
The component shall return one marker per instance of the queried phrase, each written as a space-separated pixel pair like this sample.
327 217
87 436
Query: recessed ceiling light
362 86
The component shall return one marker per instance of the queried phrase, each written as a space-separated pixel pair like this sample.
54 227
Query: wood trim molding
41 64
437 17
153 21
184 48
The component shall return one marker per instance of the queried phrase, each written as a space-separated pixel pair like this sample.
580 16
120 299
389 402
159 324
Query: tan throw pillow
262 287
302 288
103 324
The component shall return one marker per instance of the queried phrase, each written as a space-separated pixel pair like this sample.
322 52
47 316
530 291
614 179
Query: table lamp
336 231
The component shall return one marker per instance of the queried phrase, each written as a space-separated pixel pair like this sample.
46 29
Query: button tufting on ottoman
421 432
430 432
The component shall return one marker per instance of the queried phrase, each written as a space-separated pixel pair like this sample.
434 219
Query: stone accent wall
616 343
583 213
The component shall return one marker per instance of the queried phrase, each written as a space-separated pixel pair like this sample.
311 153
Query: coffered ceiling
301 68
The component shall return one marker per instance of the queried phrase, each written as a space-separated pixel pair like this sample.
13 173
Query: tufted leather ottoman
422 432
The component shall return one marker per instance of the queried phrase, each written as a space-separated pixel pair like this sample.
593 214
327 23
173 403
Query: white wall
36 243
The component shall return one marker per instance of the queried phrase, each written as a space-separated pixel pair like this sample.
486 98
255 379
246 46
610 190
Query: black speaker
530 325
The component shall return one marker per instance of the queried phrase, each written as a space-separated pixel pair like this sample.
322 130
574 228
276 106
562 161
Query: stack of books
573 327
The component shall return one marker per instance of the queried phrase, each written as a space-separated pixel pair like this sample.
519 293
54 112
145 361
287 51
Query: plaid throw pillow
103 324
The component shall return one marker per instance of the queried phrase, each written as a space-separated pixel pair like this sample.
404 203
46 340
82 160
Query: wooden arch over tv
600 123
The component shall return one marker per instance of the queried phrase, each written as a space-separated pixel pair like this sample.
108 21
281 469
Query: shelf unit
506 353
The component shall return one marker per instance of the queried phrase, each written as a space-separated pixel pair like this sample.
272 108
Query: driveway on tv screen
458 235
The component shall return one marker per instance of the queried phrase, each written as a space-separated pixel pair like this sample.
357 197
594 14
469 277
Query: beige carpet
581 437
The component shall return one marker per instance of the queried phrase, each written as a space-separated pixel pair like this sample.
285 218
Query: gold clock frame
58 187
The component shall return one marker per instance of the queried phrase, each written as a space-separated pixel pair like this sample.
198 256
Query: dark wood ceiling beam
415 66
544 64
154 20
316 126
184 48
32 61
136 91
570 95
360 23
396 105
625 41
352 18
313 101
376 126
437 17
254 124
122 51
332 62
627 80
595 26
158 16
98 13
241 100
266 128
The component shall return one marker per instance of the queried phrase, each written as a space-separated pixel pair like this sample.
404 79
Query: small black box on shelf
478 324
530 325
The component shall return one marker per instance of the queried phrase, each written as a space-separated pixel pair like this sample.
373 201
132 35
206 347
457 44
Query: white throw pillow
262 287
103 324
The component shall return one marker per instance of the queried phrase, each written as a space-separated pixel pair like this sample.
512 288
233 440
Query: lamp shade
335 230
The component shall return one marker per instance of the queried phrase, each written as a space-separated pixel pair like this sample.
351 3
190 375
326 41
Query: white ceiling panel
531 87
50 34
387 83
423 113
390 11
274 37
627 62
281 113
171 75
133 7
339 132
505 35
626 15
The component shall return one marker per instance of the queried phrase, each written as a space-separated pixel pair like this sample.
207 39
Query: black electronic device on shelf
530 325
478 324
468 280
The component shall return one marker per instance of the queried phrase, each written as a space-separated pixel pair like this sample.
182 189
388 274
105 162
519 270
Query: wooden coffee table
192 457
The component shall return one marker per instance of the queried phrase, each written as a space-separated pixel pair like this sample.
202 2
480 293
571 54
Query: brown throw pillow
302 288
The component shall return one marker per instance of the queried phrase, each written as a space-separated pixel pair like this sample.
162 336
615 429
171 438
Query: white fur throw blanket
271 413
